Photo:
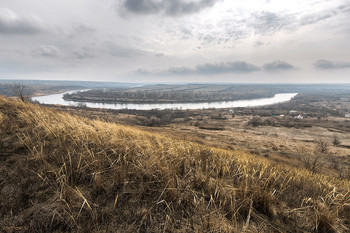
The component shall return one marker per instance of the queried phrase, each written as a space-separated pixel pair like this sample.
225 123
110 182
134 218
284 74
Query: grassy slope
65 173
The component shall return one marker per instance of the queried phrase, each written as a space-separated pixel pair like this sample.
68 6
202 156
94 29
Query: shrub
321 146
336 141
255 121
311 161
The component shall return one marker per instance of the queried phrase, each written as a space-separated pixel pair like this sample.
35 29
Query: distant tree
18 90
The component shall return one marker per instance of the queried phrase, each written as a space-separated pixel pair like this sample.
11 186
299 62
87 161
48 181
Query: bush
321 146
336 141
255 121
312 161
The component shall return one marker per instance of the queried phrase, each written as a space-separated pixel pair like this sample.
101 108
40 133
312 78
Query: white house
293 112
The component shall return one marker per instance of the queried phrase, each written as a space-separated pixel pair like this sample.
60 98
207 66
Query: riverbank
58 99
82 96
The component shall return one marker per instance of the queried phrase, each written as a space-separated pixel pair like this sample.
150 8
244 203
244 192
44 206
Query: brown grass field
66 173
284 139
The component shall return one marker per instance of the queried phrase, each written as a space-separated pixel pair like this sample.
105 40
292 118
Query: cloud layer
165 7
278 66
329 65
239 67
46 51
176 40
206 69
11 23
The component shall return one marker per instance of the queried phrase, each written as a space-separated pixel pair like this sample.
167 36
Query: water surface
57 99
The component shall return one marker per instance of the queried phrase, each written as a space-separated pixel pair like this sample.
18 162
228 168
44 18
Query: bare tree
18 90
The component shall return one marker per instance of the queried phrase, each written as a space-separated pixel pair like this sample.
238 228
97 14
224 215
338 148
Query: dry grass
66 173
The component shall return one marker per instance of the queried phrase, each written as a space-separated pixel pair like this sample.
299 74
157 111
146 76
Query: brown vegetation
277 137
66 173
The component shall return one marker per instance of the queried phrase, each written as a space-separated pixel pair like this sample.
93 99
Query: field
271 131
216 170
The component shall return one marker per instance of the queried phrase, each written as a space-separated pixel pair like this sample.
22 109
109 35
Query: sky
168 41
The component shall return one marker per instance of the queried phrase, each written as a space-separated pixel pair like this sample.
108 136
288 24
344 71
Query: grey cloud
84 53
278 66
169 71
234 28
11 23
165 7
78 29
122 51
144 72
177 7
180 70
314 18
142 6
258 43
46 51
159 55
186 34
81 28
227 67
216 38
127 50
320 16
268 22
328 65
207 38
206 69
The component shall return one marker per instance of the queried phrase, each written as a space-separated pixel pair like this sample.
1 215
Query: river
57 99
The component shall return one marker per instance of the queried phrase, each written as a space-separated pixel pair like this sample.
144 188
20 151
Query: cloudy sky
245 41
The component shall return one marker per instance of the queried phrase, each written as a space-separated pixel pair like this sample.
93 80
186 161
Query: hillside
62 173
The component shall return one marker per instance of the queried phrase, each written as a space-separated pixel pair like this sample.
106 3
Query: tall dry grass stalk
76 174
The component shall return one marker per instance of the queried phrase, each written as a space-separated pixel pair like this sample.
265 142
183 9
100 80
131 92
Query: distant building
293 112
300 116
347 115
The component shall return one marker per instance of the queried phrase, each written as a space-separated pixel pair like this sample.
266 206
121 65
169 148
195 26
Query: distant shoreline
163 102
58 100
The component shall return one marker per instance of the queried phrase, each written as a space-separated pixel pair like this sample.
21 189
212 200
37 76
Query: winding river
57 99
